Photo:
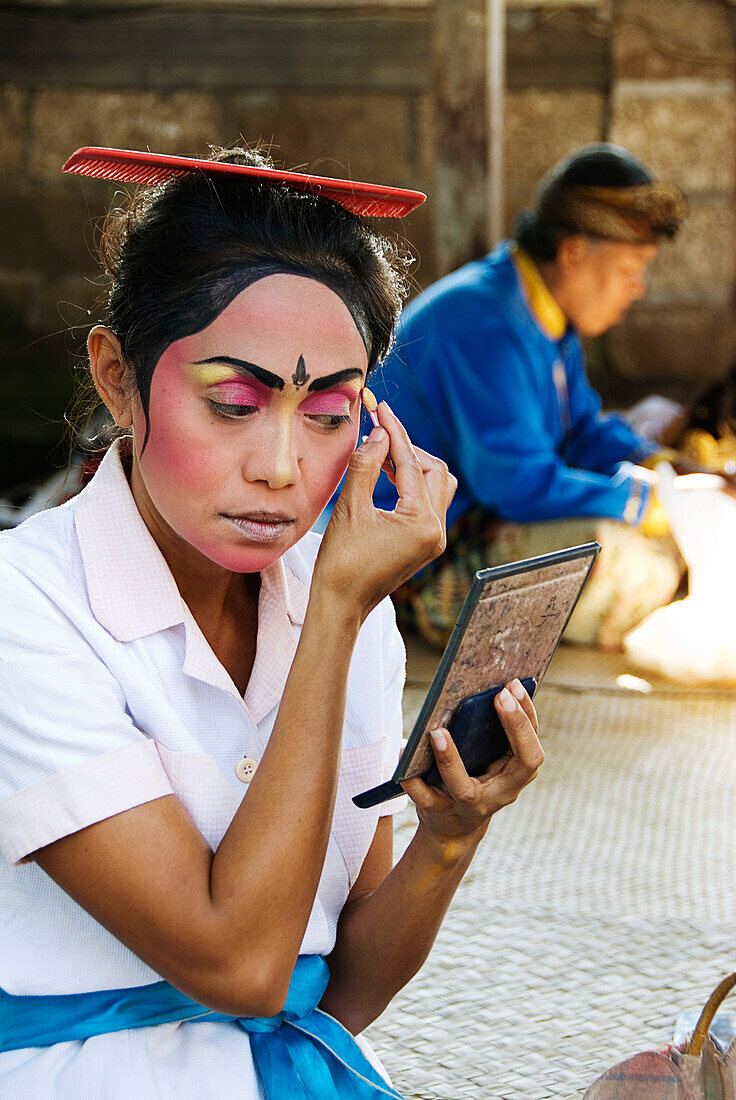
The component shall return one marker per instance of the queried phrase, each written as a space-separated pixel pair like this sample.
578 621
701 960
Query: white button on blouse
245 769
110 696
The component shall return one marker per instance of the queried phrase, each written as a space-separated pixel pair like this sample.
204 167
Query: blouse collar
131 590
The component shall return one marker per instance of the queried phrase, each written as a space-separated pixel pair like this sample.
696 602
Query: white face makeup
252 423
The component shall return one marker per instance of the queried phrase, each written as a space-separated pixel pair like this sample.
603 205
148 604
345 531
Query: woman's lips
262 526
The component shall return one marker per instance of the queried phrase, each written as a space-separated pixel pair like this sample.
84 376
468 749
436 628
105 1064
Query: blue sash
301 1053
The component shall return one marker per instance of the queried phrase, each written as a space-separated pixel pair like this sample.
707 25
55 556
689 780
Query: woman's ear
110 374
570 253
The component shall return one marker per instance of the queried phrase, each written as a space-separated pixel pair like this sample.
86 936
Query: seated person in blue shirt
488 372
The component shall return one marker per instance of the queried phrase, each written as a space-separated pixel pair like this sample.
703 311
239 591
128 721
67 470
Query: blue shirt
477 381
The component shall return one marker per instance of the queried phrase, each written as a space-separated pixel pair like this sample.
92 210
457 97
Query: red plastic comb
369 199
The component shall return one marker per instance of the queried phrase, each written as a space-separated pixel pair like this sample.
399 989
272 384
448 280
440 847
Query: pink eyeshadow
235 393
326 404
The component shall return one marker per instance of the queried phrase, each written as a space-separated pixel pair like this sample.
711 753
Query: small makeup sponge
369 400
371 405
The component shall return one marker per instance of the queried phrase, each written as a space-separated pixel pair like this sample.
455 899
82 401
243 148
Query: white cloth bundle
694 640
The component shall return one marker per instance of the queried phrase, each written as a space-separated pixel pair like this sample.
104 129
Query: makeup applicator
371 405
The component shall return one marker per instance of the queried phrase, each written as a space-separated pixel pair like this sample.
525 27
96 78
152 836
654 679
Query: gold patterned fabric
707 450
632 215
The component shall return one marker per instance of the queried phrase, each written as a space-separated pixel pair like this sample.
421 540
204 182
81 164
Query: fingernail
507 701
439 739
378 435
517 689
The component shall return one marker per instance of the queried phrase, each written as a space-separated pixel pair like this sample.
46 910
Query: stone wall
673 103
390 90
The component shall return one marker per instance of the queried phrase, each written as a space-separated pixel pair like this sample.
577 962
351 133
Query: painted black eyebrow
273 381
330 380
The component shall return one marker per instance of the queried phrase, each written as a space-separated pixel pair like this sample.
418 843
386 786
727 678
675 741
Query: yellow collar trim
547 312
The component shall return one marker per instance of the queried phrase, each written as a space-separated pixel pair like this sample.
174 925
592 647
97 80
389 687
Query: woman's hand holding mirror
462 807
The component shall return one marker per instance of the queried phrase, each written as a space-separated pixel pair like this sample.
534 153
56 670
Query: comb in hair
151 169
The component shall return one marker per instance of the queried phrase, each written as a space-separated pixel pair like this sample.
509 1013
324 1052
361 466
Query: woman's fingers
521 730
441 484
409 479
364 469
419 475
464 805
522 697
420 478
513 770
424 797
459 785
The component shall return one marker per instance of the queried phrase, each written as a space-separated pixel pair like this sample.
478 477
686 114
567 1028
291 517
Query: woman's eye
232 411
327 420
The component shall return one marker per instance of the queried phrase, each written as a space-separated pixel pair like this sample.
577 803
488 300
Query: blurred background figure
489 373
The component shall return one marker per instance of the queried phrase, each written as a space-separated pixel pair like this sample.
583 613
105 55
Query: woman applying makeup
193 686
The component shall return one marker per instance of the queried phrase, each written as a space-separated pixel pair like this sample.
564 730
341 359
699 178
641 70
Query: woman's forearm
384 937
266 871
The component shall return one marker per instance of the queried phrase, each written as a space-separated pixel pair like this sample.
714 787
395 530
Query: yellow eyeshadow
209 374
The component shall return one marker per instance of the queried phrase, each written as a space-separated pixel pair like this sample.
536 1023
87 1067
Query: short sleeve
70 754
393 687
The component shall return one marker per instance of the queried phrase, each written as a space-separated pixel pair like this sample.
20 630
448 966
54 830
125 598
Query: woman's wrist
334 614
450 852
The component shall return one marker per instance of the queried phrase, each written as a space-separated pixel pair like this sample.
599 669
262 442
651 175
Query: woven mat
600 903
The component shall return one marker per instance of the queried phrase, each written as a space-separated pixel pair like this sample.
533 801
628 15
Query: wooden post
495 83
460 186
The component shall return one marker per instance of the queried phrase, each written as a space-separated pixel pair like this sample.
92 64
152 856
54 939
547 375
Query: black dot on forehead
300 376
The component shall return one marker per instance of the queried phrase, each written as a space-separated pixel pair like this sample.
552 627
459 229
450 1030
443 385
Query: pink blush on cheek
168 457
329 477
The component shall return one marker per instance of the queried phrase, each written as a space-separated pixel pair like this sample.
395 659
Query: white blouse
110 696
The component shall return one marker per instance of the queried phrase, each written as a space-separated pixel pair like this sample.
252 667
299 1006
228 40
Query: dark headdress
603 191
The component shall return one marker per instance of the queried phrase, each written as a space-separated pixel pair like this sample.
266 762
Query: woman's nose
272 457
